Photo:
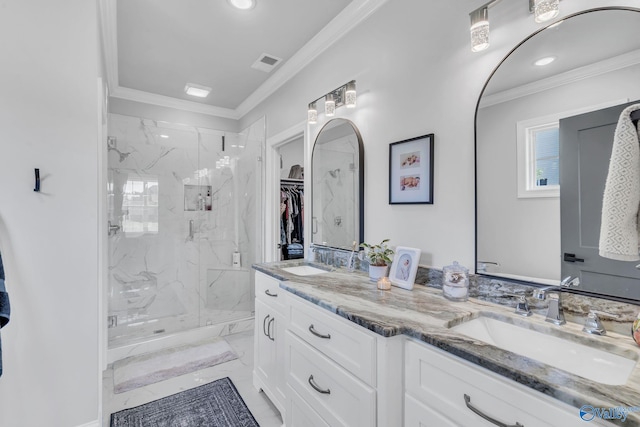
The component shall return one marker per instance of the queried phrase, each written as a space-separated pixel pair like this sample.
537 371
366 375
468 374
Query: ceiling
153 48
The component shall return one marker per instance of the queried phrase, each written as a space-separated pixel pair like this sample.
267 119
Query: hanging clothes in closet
292 219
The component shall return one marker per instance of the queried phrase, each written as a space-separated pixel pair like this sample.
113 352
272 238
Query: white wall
49 120
415 75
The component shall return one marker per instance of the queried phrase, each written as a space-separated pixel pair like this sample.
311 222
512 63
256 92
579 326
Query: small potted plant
379 259
540 180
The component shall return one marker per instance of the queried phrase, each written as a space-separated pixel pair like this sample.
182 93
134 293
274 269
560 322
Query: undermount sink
304 270
588 362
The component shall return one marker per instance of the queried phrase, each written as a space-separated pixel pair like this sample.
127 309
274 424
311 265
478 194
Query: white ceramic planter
376 272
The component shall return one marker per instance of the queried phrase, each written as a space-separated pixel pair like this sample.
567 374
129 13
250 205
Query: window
538 159
140 205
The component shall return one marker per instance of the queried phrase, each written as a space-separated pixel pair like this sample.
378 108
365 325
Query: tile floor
240 371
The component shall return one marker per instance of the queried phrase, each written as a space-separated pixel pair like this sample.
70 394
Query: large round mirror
544 130
337 192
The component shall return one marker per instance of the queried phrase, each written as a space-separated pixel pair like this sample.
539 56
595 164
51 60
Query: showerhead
334 173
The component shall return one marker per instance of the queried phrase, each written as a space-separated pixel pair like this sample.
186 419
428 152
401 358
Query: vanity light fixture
329 105
350 94
243 4
344 95
197 90
479 28
543 10
312 113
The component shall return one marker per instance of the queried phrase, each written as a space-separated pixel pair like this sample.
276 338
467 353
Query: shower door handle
314 225
113 229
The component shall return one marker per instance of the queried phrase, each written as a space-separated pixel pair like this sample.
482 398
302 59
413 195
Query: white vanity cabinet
330 365
270 326
438 386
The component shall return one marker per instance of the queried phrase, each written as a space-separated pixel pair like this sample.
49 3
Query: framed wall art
411 171
404 267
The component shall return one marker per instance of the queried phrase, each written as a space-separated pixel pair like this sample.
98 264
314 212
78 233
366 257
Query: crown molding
170 102
352 15
612 64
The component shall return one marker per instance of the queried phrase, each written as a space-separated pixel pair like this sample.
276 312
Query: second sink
592 363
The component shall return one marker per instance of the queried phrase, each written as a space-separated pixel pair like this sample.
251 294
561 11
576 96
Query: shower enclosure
183 207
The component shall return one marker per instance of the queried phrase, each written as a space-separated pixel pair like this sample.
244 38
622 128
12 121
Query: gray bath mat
138 371
216 404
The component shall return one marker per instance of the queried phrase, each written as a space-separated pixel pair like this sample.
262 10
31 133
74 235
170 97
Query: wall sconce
312 113
543 10
344 95
479 29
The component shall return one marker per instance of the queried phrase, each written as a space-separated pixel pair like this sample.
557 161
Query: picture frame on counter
411 171
404 267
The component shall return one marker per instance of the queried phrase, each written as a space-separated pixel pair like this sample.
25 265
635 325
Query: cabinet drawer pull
481 414
270 294
269 328
316 388
264 324
316 333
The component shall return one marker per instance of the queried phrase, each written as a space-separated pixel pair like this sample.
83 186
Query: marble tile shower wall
180 207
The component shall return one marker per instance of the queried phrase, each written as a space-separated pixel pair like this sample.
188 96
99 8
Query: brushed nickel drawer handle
481 414
269 328
316 333
316 388
264 325
270 294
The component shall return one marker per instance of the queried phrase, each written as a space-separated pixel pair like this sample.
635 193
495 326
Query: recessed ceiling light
545 61
243 4
164 136
197 90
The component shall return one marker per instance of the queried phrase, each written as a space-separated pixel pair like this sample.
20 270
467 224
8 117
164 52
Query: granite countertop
424 314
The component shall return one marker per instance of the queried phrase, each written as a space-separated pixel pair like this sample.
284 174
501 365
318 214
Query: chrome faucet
593 325
522 307
553 294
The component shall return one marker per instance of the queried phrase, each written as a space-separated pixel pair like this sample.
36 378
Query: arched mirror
337 192
533 188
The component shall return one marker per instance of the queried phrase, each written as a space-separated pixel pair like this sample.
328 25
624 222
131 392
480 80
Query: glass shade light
350 95
479 29
312 114
545 10
329 105
197 90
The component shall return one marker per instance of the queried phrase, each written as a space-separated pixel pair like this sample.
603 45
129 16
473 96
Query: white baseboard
95 423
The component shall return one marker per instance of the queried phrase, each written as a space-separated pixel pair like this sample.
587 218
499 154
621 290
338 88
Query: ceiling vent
266 63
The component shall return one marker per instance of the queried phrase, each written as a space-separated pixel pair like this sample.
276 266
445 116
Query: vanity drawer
299 413
337 396
268 290
441 381
349 345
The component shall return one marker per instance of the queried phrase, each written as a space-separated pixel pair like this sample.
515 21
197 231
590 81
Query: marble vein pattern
170 266
425 315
